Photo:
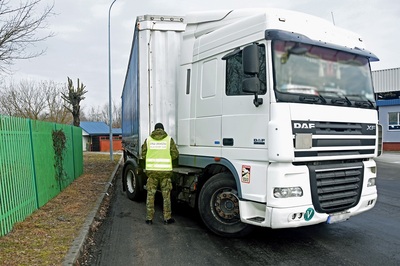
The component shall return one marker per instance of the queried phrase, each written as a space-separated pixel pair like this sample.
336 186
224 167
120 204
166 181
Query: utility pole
109 84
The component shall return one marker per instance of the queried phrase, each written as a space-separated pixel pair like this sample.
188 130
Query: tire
219 207
132 183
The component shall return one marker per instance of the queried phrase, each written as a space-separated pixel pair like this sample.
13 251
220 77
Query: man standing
158 150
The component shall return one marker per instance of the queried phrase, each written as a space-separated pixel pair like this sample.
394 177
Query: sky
79 47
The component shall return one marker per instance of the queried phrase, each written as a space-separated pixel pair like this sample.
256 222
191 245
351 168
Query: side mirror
251 66
250 60
252 85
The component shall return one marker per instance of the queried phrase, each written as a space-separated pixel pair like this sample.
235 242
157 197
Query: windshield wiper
364 104
341 101
312 98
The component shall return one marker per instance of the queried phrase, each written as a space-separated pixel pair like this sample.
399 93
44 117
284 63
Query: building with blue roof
95 136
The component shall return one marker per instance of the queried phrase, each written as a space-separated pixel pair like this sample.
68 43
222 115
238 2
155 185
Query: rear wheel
219 207
132 183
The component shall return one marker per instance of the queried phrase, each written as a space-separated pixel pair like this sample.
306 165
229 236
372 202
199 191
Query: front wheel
219 207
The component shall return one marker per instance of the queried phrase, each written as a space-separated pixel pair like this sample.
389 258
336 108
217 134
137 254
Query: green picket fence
27 166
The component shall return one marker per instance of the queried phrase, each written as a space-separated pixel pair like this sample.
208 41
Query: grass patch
45 237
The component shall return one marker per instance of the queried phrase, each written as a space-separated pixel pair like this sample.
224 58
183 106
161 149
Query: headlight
287 192
371 182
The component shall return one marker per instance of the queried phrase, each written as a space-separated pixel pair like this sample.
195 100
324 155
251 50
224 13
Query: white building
387 88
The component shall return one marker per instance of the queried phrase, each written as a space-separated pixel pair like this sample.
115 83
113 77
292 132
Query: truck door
244 125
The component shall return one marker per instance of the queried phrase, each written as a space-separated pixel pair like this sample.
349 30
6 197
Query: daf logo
304 125
371 127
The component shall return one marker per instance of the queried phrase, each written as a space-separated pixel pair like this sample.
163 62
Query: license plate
338 217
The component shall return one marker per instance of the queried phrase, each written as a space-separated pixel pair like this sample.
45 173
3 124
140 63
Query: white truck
273 112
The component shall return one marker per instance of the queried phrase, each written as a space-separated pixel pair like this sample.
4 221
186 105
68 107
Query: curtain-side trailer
273 112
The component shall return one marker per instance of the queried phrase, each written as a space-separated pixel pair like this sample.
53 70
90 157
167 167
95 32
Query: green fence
27 166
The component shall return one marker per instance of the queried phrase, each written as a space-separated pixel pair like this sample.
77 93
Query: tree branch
19 29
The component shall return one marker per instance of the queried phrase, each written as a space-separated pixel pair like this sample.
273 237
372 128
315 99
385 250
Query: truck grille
330 139
336 187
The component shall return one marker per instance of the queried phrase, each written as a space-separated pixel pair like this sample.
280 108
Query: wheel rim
130 181
225 206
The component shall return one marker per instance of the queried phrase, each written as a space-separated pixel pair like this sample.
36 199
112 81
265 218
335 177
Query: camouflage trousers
155 178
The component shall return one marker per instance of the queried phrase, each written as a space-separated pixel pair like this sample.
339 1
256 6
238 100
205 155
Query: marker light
371 182
287 192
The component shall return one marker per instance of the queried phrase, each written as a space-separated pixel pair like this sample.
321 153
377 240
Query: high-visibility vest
158 157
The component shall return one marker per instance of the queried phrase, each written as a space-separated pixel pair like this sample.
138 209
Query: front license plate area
338 217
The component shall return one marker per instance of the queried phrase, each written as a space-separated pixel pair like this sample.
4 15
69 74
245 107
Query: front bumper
261 215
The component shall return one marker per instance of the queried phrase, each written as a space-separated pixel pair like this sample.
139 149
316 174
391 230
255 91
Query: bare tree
19 29
116 113
94 114
23 100
101 114
38 100
105 114
73 100
56 112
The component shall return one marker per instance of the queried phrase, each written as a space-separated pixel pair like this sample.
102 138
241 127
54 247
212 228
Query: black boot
169 221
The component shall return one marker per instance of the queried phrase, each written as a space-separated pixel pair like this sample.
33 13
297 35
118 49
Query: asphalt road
371 238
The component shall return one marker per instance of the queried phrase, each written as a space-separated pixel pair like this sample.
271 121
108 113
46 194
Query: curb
77 247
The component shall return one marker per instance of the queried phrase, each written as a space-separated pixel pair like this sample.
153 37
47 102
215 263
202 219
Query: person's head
159 126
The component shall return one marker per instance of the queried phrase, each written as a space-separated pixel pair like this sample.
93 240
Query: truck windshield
312 74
